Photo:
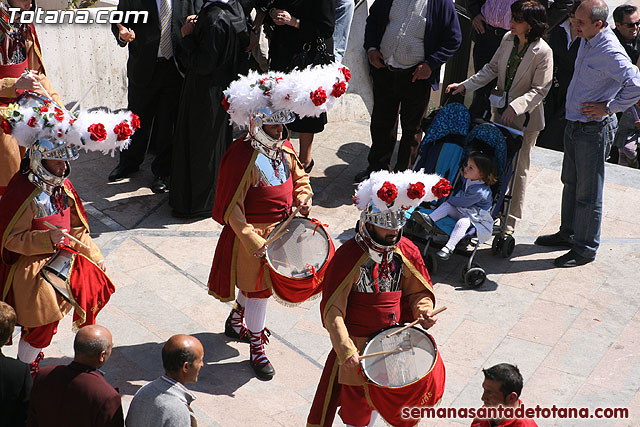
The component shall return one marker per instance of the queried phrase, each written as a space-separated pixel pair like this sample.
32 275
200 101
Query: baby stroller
450 135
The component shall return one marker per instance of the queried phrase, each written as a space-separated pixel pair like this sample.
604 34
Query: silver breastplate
272 172
44 206
388 281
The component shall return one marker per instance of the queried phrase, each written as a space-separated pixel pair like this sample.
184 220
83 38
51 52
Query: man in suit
155 75
15 379
77 394
407 42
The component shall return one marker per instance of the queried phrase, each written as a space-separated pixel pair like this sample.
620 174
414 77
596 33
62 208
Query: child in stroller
471 205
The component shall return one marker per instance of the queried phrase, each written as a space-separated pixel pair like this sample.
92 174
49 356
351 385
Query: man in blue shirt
604 82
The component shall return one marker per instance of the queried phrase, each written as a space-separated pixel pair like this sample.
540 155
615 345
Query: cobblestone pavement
575 334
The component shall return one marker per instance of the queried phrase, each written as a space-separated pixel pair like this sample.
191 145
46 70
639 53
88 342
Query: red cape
344 265
235 167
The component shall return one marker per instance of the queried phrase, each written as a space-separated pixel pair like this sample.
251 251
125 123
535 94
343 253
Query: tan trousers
520 181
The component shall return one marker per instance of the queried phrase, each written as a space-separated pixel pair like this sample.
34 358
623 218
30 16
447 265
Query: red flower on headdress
441 189
225 103
6 126
44 109
123 131
388 192
59 115
416 191
346 72
338 89
32 122
135 122
318 96
98 132
278 79
72 121
46 101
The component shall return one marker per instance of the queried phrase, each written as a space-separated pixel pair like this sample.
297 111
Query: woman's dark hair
534 14
487 166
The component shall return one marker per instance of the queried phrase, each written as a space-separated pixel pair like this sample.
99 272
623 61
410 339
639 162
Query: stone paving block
130 256
578 352
596 396
511 350
485 339
544 322
457 378
547 387
607 314
574 286
471 394
618 369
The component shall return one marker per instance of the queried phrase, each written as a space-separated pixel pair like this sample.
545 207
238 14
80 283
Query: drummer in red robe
39 205
375 280
19 50
261 179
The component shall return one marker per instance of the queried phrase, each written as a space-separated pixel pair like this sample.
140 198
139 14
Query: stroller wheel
508 245
431 261
496 245
474 277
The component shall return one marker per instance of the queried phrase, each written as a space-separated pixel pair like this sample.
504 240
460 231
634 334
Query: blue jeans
585 148
344 15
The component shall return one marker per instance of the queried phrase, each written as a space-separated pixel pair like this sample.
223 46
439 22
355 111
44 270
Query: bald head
92 345
182 358
590 18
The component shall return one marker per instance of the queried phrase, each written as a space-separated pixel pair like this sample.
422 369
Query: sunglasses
632 24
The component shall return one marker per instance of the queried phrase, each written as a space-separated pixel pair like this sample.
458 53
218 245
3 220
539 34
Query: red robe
91 288
343 270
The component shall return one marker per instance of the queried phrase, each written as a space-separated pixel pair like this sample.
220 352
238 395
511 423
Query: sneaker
444 253
556 239
571 259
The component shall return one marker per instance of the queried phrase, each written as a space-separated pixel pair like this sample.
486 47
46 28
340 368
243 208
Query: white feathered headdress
99 130
308 92
399 191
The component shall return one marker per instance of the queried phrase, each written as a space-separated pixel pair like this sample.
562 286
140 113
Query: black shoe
309 167
231 333
444 253
556 239
571 259
362 175
263 372
160 184
424 220
121 172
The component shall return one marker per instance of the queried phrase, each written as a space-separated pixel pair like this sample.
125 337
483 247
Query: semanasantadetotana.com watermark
79 16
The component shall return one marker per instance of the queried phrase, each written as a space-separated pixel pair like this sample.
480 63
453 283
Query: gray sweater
161 403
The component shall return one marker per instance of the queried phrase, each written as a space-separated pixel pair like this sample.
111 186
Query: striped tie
166 48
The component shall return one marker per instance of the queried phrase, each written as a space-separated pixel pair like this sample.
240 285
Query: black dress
215 57
317 20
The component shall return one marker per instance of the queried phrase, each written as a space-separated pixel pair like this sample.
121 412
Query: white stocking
255 314
27 353
241 299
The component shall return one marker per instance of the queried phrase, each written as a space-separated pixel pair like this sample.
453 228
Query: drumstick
415 322
287 221
67 235
382 353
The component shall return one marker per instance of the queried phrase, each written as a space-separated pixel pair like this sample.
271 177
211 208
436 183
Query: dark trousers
157 107
485 47
394 92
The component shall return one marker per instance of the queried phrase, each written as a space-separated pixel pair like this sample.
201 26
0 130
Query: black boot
259 362
236 320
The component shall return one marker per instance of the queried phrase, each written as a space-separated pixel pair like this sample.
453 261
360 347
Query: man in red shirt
502 386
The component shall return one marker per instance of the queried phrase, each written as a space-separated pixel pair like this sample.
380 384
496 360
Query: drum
409 373
33 99
57 272
298 259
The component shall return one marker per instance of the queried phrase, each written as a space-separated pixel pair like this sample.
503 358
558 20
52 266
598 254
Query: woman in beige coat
523 65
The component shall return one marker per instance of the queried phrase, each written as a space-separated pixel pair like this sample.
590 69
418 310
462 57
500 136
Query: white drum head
299 249
402 368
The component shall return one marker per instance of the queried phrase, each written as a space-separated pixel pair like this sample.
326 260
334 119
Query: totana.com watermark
81 16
